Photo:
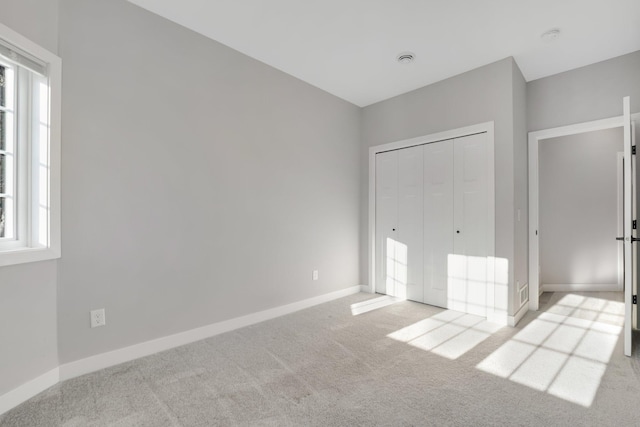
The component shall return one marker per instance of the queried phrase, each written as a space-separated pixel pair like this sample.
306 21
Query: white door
634 288
629 232
431 223
409 245
438 220
386 220
467 266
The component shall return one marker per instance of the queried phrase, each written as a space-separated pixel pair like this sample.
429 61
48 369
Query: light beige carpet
365 360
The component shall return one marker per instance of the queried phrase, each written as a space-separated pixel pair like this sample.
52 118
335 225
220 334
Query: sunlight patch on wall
467 284
478 285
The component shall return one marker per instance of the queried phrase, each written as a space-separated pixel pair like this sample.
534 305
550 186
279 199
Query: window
29 150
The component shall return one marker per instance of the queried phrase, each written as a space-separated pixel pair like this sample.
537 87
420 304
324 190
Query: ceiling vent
550 35
405 58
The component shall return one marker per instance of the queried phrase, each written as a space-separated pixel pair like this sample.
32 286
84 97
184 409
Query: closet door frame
488 128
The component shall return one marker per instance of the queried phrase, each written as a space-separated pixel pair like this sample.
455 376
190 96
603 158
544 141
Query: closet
432 222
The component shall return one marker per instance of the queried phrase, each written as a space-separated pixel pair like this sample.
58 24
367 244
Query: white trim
26 391
55 149
24 255
488 128
629 214
620 225
577 128
434 137
501 318
115 357
534 139
580 287
513 320
13 398
366 289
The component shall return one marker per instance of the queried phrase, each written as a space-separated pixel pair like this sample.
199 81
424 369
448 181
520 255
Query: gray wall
579 208
584 94
35 19
521 189
481 95
28 333
198 184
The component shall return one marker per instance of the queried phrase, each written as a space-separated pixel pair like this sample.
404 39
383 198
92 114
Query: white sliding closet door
468 264
386 220
438 220
409 245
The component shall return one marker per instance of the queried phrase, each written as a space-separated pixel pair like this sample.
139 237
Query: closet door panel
470 218
409 246
438 221
386 220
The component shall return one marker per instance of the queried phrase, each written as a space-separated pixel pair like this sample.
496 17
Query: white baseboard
366 289
115 357
498 317
513 320
580 287
26 391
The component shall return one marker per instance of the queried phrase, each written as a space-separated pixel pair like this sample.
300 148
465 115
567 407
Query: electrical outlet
98 318
315 275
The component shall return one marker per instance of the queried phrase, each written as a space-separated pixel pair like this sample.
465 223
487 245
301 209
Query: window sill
26 255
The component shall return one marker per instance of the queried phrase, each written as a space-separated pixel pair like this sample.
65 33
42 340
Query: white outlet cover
315 275
98 318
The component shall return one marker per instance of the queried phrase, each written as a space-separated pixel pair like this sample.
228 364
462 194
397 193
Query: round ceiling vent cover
550 35
405 58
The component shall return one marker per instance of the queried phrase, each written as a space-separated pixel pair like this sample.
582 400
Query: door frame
486 127
534 142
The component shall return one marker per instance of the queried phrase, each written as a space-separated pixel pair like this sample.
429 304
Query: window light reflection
396 280
564 351
449 334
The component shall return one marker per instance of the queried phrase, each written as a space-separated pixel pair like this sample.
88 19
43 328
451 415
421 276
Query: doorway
580 211
629 237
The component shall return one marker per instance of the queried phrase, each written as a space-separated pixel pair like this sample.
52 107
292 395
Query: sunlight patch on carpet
559 353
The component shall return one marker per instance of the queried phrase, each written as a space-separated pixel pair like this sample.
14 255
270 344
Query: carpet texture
399 364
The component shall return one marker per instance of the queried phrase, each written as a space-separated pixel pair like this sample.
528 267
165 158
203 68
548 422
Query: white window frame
32 188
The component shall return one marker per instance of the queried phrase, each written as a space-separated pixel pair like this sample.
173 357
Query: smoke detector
405 58
550 35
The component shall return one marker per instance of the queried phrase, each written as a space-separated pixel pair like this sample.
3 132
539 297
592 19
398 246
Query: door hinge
635 224
633 149
635 299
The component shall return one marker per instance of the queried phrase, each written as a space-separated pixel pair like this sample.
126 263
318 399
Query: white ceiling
349 47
